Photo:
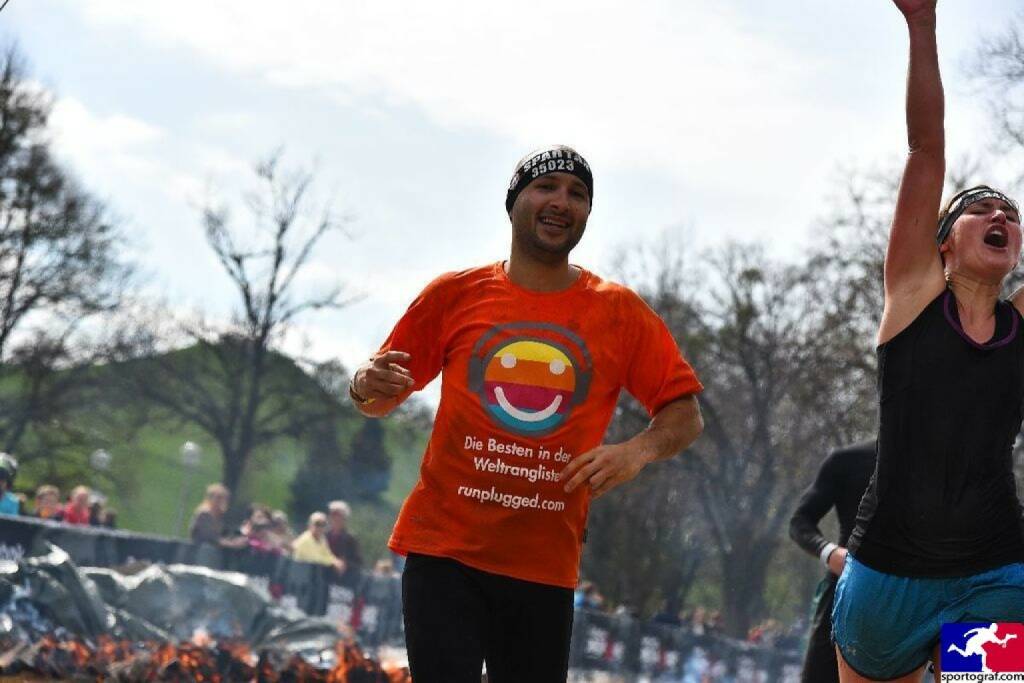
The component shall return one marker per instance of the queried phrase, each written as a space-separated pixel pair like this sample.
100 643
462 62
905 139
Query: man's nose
560 199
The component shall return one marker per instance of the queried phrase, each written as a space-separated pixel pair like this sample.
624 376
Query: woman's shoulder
902 313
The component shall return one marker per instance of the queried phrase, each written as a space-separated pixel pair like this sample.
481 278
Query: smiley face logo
529 384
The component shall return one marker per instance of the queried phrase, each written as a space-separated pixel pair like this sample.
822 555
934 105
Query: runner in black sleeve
840 483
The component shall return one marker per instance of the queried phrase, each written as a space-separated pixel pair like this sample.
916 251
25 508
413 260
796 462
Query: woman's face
219 501
47 501
985 241
259 518
80 498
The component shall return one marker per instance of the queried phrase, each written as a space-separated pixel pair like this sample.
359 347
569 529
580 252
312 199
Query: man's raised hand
383 376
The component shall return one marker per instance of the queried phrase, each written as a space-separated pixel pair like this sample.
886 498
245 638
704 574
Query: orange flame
225 662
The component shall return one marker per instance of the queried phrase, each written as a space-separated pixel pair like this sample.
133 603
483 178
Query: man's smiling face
550 215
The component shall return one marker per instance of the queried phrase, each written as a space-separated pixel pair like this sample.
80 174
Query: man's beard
533 244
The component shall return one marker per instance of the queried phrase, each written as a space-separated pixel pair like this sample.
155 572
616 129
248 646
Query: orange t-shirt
529 380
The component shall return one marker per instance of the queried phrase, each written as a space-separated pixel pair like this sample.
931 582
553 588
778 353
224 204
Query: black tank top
942 501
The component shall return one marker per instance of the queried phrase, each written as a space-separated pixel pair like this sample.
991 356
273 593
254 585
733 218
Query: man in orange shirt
533 353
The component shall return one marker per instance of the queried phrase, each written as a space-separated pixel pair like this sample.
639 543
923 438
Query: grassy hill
154 492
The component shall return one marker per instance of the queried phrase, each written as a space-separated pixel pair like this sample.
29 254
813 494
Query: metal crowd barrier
624 645
301 584
372 604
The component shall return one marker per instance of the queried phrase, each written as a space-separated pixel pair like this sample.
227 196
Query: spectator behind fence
383 589
698 622
311 545
280 535
258 530
342 543
10 504
47 502
714 623
78 509
588 597
207 525
99 513
669 613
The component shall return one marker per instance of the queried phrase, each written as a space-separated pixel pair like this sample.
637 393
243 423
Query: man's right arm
409 359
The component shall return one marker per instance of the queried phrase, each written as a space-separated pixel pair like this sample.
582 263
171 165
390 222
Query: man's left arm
671 431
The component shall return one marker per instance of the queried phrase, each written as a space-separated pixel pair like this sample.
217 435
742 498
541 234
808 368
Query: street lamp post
191 454
100 460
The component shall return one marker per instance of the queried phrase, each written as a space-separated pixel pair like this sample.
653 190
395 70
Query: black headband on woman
960 204
554 159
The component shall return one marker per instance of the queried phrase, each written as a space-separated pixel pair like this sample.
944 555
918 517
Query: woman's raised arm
913 269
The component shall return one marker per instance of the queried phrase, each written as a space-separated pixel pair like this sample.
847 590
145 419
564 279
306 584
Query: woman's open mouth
997 237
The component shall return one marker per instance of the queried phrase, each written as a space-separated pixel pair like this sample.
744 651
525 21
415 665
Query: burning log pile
159 623
205 661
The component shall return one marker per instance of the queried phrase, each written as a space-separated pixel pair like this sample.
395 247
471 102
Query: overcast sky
712 120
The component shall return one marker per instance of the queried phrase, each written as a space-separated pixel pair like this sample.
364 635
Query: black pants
820 665
457 617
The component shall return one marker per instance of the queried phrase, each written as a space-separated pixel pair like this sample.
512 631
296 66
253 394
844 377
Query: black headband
556 159
957 208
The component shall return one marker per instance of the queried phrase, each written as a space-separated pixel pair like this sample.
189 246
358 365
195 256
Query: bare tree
777 401
998 67
232 381
779 394
644 544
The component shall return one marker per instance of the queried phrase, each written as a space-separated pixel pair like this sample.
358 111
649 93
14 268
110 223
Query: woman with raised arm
938 536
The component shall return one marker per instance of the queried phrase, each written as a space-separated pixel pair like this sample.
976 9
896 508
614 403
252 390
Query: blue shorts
887 626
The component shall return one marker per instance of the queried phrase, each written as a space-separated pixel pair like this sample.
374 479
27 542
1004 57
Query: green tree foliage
369 464
60 273
323 476
356 467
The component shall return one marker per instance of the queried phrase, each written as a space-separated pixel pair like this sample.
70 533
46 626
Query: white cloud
727 116
119 140
72 121
638 87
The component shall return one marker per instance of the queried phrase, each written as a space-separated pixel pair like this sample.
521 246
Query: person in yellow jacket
311 545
